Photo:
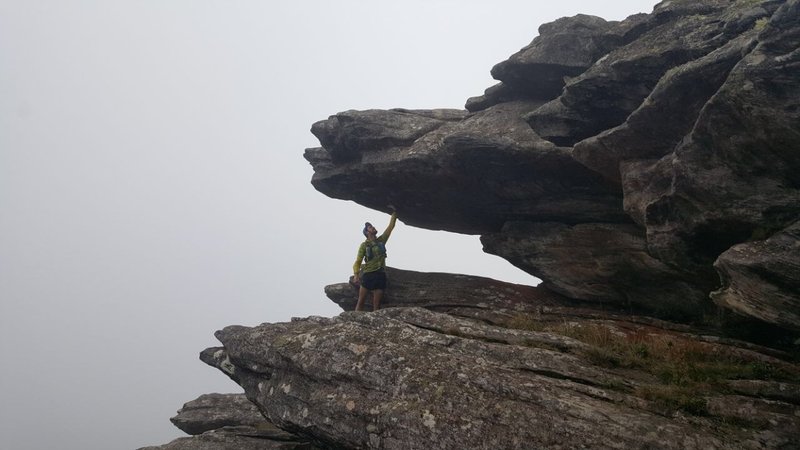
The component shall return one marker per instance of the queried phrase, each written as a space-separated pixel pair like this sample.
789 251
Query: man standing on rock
373 253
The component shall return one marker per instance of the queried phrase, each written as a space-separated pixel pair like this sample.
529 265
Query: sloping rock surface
409 378
617 161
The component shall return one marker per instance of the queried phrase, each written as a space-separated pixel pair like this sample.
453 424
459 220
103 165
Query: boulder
211 411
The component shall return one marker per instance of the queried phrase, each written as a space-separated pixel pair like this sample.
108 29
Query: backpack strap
370 251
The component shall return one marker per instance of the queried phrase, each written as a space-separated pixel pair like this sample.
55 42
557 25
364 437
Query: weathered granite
685 144
636 167
409 378
212 411
234 438
228 422
762 278
619 272
468 176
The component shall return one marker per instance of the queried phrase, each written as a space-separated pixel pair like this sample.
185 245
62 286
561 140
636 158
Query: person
373 253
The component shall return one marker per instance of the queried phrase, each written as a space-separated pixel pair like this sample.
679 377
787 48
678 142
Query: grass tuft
686 369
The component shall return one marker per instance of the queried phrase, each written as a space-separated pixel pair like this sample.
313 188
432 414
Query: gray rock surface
675 137
762 278
607 92
618 272
734 177
644 169
665 116
234 438
445 292
228 422
212 411
468 176
409 378
564 48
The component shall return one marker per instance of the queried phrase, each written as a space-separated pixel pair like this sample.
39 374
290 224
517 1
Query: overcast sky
153 188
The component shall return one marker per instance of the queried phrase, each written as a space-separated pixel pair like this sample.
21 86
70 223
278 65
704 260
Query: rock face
744 267
646 170
621 162
481 364
410 378
211 411
232 438
228 421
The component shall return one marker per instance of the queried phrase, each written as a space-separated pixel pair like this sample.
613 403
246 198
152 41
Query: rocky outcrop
228 421
233 438
211 411
504 366
668 114
620 271
734 177
607 92
469 175
617 161
645 170
445 292
564 49
762 278
409 378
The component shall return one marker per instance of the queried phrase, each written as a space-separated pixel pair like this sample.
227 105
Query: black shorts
374 281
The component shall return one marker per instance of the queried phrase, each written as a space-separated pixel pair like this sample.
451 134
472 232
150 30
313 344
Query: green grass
685 369
747 3
674 398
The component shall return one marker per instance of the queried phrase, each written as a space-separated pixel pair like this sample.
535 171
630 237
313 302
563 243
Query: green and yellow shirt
373 253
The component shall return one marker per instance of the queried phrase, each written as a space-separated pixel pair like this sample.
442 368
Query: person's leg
377 295
362 295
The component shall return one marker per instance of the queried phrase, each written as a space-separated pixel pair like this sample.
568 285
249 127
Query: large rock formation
617 161
459 362
646 170
410 378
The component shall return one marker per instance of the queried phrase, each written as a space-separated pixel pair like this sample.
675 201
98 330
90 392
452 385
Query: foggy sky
153 189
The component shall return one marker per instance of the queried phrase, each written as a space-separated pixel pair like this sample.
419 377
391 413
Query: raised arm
385 236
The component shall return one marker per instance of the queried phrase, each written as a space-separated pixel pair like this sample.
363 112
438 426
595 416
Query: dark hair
366 226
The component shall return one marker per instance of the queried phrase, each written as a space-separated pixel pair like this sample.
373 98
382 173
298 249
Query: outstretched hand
391 208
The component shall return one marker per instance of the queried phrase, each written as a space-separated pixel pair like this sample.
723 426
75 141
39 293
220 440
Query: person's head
369 230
